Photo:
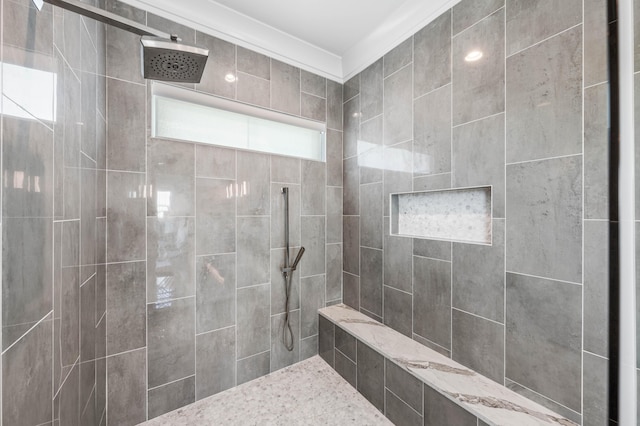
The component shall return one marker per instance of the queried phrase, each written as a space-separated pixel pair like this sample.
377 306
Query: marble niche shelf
460 214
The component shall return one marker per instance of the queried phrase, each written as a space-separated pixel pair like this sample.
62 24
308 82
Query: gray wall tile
468 12
253 367
432 133
87 324
308 347
215 217
596 314
126 384
396 315
171 169
326 339
215 362
596 26
346 368
351 120
222 61
125 217
543 322
278 284
171 345
479 344
397 106
313 107
345 343
253 90
280 356
439 410
371 91
544 401
312 298
351 87
371 216
313 240
172 396
351 290
351 233
398 264
253 168
478 158
398 57
482 80
433 249
478 276
123 55
370 369
253 322
334 157
278 217
432 55
215 162
544 205
334 214
126 311
215 292
285 81
399 412
313 84
432 300
596 393
170 258
253 63
596 152
544 99
334 105
398 170
125 125
286 169
314 176
371 280
529 22
404 385
253 251
370 152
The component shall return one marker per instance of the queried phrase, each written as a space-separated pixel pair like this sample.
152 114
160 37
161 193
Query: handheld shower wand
287 273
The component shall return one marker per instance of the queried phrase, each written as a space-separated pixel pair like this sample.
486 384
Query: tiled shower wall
53 216
529 118
195 297
636 14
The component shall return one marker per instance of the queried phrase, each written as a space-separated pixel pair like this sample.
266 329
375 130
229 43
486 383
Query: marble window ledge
482 397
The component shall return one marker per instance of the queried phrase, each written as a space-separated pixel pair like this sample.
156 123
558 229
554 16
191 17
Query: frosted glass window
187 115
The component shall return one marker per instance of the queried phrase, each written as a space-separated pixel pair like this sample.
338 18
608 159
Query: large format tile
371 280
127 388
26 275
345 368
253 321
313 240
334 214
326 340
544 99
313 84
479 344
312 298
313 107
170 173
432 300
215 292
432 55
287 169
597 243
215 162
371 215
253 182
469 12
351 135
398 97
478 158
371 91
253 251
215 362
171 396
432 133
370 368
123 55
125 216
26 378
399 412
313 187
543 323
596 28
398 170
404 385
253 367
478 86
596 152
278 283
334 158
280 356
596 399
398 262
439 410
396 313
126 310
351 195
285 81
221 61
531 21
478 276
334 105
215 217
170 258
398 57
351 290
126 126
253 90
171 340
278 215
253 63
544 220
351 248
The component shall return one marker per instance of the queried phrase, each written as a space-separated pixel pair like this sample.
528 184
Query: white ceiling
333 38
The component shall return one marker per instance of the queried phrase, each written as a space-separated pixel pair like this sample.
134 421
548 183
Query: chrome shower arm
104 17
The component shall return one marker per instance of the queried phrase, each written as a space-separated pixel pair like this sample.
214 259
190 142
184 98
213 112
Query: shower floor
307 393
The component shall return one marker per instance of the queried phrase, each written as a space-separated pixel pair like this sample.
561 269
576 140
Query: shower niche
458 215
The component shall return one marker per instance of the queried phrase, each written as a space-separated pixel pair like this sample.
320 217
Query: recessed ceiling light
230 78
473 56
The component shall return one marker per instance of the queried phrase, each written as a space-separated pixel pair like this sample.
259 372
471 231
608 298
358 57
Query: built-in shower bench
412 384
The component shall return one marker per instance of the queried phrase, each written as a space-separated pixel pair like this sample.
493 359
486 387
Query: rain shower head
172 60
164 57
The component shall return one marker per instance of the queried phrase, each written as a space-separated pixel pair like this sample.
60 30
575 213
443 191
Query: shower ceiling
331 37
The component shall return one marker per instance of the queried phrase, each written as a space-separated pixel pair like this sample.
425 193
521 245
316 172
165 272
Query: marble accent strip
484 398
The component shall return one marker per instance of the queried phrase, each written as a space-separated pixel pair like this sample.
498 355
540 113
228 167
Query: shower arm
104 17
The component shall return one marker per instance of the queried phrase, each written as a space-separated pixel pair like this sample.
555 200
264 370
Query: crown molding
227 24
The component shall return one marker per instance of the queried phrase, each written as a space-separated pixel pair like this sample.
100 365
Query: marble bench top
486 399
